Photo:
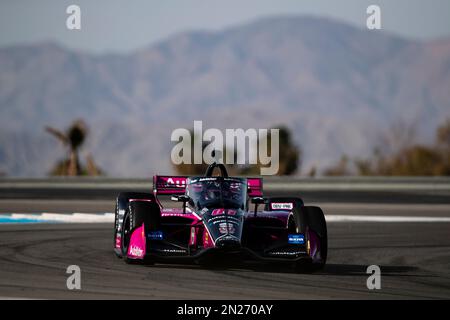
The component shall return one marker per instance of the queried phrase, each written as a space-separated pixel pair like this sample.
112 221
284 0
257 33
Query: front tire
122 202
139 213
317 237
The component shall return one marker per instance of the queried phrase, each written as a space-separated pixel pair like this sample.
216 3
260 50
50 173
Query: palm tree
73 139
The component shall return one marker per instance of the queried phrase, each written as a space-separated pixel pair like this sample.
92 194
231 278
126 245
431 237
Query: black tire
138 213
304 219
300 220
122 201
125 234
316 222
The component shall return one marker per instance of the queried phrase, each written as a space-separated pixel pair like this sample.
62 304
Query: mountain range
337 87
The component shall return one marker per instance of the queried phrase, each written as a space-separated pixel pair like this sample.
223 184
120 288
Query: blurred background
104 100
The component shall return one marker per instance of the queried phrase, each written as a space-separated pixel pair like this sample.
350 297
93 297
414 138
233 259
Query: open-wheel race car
216 223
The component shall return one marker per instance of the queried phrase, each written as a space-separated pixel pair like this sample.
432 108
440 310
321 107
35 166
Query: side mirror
256 201
182 198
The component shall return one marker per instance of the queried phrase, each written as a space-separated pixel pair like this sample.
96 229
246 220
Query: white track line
369 218
67 218
109 218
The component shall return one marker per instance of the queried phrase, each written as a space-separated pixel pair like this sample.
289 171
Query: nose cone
228 243
225 227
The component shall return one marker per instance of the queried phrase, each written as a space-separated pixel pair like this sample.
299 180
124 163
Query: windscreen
217 192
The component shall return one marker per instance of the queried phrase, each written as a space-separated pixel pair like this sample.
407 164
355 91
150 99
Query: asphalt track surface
414 259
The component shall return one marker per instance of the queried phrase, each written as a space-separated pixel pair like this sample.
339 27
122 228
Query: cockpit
217 192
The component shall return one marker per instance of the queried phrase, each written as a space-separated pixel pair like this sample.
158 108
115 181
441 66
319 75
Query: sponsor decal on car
118 241
296 238
217 212
136 251
286 253
221 219
228 237
193 238
155 235
204 179
178 182
216 220
282 205
226 228
173 250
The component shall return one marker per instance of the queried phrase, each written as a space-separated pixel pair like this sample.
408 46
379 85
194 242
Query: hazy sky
120 25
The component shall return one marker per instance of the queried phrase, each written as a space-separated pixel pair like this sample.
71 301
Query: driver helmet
212 191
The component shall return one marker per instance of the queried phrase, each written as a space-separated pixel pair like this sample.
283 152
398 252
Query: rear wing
255 187
176 185
169 185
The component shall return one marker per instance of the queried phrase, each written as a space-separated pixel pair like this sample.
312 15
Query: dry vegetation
398 156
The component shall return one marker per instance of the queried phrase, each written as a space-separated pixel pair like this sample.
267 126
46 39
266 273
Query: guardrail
419 184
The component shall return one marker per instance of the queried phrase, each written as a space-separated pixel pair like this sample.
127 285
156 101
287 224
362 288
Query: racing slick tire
139 213
316 223
122 201
306 220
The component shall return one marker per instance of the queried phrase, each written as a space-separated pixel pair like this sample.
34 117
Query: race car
214 222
